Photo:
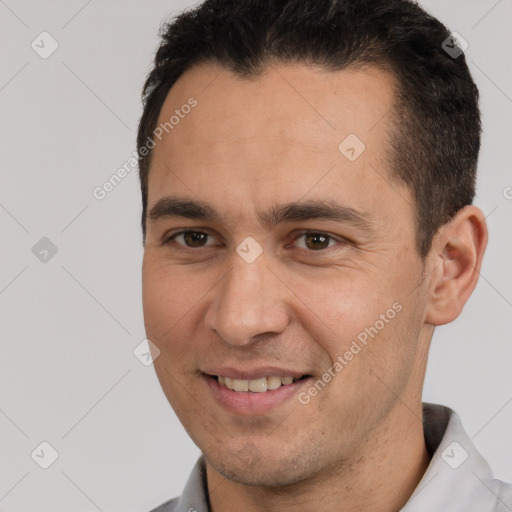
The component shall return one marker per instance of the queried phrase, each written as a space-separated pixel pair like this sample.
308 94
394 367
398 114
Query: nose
248 302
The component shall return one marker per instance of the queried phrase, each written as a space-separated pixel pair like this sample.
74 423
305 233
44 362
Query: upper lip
252 373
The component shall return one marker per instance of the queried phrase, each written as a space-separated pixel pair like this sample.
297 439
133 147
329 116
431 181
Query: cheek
169 297
364 335
336 309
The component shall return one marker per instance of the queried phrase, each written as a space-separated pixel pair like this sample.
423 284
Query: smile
254 396
255 385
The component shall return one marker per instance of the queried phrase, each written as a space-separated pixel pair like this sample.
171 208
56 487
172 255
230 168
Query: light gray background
69 326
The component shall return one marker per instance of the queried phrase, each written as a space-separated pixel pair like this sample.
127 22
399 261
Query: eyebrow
174 206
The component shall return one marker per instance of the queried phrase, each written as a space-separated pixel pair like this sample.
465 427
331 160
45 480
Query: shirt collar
457 478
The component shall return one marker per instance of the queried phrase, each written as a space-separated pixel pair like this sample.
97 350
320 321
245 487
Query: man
307 172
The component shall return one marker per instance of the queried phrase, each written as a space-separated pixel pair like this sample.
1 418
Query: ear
456 257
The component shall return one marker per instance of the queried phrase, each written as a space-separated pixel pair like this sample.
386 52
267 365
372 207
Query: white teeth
255 385
258 386
273 382
240 385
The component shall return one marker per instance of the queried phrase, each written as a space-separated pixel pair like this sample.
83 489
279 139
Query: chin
263 477
248 466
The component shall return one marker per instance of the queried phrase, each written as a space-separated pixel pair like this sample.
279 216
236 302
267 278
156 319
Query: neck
380 477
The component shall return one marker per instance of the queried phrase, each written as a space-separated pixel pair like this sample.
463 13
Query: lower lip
248 403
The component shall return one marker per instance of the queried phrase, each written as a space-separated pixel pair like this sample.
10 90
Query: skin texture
246 147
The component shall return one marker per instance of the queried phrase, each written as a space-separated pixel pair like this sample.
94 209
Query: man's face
316 289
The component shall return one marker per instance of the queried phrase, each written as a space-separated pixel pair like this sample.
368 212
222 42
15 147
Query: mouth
259 395
262 385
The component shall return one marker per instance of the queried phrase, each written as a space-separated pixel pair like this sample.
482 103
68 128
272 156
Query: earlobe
458 248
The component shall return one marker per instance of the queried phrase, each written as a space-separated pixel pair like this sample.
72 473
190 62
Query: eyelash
185 248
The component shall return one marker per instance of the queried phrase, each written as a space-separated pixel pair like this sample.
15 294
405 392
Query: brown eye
191 239
316 241
195 238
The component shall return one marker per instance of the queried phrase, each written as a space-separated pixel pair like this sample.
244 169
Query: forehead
304 103
291 131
